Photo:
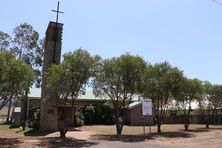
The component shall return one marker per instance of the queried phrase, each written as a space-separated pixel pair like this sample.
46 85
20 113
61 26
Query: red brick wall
134 116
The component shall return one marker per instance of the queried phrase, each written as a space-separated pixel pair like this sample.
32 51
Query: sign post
146 111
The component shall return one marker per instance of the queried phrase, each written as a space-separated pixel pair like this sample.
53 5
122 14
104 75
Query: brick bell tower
52 55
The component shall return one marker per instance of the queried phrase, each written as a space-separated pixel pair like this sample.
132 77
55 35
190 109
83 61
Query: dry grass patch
172 135
138 130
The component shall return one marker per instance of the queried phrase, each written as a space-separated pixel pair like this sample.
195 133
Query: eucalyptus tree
68 80
19 78
215 101
205 106
212 102
5 58
190 91
27 46
16 78
161 84
119 79
4 41
24 42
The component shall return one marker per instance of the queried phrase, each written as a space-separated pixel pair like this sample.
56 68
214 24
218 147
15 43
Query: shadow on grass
199 130
64 142
195 130
215 128
210 128
172 135
9 142
36 133
141 138
123 138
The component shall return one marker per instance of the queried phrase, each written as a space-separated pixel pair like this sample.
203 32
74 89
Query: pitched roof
35 93
134 104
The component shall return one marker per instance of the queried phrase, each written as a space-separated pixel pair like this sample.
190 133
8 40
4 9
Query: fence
194 119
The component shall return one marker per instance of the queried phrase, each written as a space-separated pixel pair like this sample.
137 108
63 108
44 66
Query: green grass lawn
4 128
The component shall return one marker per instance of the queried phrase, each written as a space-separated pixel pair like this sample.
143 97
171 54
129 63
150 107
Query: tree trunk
74 117
13 110
74 112
119 129
207 126
217 117
187 118
119 126
9 110
207 121
186 126
158 126
63 133
25 111
187 122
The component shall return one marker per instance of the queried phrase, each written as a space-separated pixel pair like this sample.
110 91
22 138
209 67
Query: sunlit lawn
7 130
4 127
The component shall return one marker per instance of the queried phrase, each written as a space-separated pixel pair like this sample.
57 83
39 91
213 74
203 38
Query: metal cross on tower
57 12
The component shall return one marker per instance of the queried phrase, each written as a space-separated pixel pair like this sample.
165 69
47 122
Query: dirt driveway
104 137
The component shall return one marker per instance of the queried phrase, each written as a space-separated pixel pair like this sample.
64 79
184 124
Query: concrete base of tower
49 116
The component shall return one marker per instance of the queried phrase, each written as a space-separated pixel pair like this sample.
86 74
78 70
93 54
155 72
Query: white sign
17 109
147 107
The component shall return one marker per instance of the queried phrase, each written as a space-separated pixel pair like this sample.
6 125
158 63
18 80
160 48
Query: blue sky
186 33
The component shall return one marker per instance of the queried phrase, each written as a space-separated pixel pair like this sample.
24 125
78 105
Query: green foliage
119 79
24 41
33 122
215 99
68 79
203 101
191 90
16 77
98 114
20 76
5 58
4 41
161 83
89 114
26 45
79 115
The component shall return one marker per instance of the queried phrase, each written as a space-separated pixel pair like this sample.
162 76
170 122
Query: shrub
98 114
79 119
33 122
